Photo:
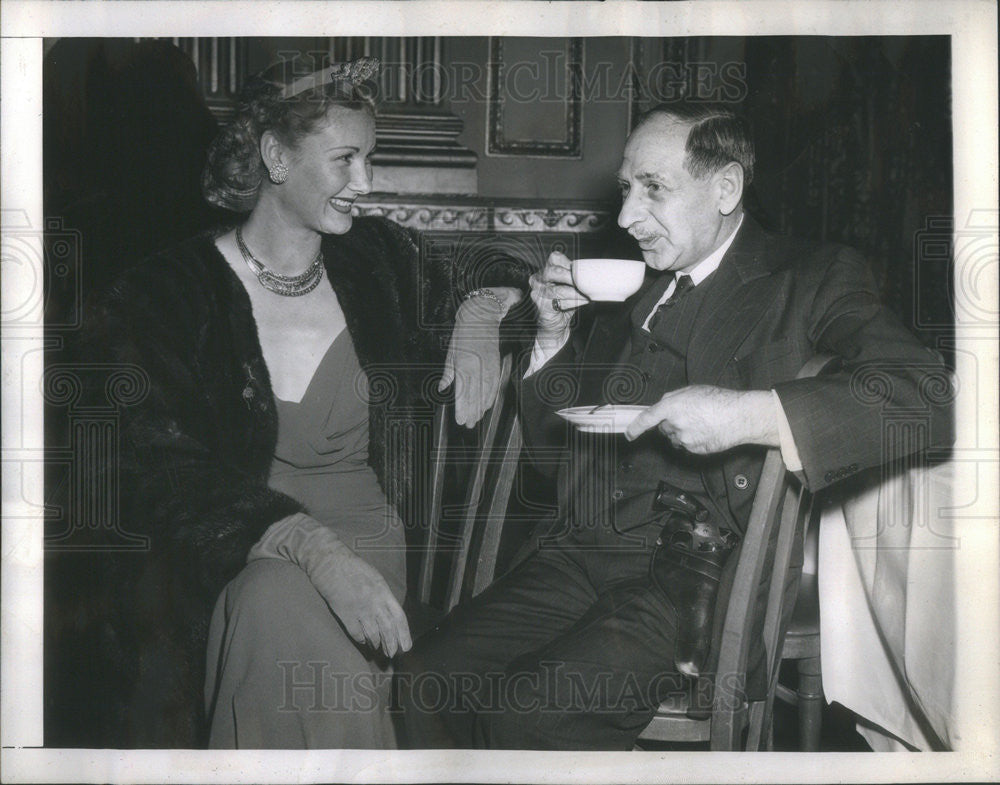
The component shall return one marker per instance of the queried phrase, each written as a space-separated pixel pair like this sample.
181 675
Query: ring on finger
555 305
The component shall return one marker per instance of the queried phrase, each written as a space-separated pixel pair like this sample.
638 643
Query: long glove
355 591
473 360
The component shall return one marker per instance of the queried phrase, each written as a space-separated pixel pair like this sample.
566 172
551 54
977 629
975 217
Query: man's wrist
758 418
789 451
541 353
550 342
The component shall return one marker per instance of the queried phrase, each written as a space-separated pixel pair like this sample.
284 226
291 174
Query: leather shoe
687 567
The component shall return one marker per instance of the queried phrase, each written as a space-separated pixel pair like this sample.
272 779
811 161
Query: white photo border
972 27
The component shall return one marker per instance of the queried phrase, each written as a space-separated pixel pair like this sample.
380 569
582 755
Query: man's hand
555 297
704 419
473 361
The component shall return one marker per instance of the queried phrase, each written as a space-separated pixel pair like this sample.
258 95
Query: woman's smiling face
327 170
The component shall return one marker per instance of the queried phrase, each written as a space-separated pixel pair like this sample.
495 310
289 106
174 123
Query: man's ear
272 151
729 187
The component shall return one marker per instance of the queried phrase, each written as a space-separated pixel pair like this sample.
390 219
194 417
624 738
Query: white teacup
608 279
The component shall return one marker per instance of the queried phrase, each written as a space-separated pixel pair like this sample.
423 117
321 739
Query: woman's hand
473 361
360 597
355 591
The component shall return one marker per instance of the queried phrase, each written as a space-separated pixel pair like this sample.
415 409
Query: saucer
614 418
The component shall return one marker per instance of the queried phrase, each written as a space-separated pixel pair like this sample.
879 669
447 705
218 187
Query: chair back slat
730 706
796 506
496 511
439 449
474 493
781 508
487 487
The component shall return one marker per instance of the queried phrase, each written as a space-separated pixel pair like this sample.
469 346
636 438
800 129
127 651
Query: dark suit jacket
774 303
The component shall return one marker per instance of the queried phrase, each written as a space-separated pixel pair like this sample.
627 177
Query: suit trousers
572 649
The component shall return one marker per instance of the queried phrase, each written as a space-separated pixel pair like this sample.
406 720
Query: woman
256 463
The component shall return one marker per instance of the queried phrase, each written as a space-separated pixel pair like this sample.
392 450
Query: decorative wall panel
535 106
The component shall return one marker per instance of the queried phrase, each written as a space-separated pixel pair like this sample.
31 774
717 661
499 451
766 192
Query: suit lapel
736 300
609 339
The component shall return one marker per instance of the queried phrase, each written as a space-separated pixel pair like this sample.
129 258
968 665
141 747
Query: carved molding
497 142
421 138
550 219
471 214
431 217
410 76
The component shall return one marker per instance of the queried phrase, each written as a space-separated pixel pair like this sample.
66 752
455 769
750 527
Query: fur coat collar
196 439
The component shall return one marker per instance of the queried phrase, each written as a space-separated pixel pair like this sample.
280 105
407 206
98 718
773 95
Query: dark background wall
853 134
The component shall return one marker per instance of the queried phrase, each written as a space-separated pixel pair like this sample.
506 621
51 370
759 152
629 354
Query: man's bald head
682 177
717 136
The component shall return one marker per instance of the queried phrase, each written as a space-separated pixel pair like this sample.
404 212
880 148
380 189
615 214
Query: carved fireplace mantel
476 214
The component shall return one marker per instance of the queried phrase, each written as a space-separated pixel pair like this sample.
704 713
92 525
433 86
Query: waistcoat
615 480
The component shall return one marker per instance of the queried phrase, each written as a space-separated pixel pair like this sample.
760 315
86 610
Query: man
575 647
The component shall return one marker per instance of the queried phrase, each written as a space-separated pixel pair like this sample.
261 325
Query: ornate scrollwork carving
490 215
552 219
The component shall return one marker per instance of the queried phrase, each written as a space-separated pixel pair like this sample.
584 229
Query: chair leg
810 703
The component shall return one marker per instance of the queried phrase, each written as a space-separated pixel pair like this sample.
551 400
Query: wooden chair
802 644
473 546
781 507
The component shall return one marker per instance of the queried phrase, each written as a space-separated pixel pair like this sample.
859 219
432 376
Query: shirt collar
710 263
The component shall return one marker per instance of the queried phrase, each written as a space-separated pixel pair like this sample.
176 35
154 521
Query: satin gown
282 672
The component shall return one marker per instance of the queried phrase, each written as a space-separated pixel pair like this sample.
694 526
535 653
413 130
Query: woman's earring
278 173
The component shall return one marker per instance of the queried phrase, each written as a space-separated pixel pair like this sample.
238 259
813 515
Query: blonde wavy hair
291 106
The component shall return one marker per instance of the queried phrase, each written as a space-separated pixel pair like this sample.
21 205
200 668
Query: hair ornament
354 73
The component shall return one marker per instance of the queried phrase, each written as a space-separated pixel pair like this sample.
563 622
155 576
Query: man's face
675 218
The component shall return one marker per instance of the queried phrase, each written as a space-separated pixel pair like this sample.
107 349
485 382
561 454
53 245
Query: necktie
684 284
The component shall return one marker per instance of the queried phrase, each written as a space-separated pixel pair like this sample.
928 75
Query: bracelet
489 294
